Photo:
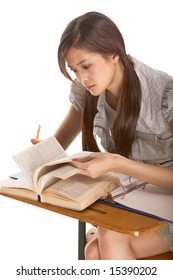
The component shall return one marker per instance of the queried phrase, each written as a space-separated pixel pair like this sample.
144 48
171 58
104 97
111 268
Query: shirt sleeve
77 95
168 102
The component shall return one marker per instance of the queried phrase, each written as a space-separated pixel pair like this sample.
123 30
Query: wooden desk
106 216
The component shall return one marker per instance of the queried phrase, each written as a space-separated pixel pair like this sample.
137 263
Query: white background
33 92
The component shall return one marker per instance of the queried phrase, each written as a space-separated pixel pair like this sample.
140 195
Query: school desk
106 216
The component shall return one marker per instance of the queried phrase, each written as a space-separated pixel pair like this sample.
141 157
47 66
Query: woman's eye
87 66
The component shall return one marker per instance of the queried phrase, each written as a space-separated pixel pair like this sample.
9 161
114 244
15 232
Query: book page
64 171
80 187
18 187
11 183
79 191
37 155
58 168
61 172
67 158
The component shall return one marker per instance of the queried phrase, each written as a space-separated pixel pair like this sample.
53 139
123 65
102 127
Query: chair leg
81 239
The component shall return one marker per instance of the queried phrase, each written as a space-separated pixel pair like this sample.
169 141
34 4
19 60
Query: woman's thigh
150 244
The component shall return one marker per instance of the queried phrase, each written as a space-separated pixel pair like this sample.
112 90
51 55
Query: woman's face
95 72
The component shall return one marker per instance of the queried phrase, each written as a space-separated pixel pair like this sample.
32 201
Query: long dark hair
97 33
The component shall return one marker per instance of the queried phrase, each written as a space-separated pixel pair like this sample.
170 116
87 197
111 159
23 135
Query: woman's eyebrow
82 61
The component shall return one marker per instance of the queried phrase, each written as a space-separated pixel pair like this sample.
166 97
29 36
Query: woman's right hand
35 141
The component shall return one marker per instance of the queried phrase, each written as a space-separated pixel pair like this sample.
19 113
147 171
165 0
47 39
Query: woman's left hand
96 164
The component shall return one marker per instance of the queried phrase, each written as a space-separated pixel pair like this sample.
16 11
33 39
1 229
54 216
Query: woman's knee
104 233
92 233
111 236
91 250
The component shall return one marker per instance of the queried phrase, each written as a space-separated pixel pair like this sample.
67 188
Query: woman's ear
115 58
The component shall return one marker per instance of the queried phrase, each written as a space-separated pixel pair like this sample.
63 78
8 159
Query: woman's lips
90 87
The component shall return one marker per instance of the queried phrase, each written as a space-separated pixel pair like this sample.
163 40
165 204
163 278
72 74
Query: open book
144 198
49 177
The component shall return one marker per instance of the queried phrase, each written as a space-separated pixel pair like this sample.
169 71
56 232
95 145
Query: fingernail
74 159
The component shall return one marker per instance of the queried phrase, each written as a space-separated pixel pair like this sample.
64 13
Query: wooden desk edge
93 216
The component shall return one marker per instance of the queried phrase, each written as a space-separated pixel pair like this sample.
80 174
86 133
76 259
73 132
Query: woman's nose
82 77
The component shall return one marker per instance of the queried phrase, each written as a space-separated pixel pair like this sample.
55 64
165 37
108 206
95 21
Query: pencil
38 132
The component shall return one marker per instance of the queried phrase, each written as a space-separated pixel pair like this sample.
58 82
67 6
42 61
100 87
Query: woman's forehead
78 56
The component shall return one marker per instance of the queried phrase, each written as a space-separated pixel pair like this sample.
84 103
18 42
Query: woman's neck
114 91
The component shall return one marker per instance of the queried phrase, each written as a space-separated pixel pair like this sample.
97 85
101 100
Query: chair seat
165 256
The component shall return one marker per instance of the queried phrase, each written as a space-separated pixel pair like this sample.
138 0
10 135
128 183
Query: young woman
129 106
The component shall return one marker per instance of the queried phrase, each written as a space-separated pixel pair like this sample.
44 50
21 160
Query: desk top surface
110 217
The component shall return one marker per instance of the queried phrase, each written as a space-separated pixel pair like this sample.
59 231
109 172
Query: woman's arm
157 175
68 129
96 164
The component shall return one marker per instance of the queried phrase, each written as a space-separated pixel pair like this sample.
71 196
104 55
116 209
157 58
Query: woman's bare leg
92 250
111 245
114 245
